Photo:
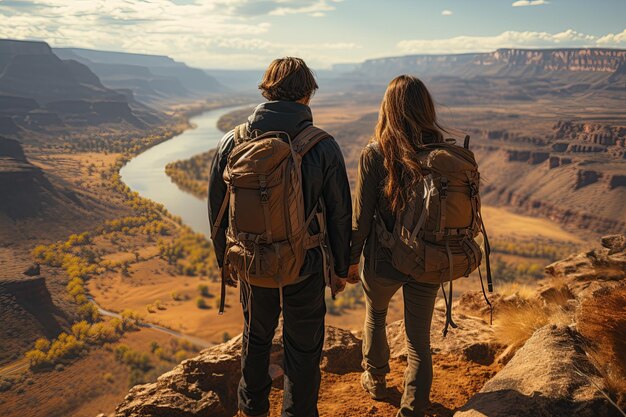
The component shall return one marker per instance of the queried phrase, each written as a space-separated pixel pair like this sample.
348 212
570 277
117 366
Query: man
288 85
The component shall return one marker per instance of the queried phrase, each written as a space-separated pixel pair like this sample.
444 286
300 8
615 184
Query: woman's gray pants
419 302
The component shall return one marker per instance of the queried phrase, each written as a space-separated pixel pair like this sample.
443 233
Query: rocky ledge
552 374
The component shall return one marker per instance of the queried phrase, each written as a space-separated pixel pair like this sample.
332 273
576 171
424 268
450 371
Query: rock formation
549 376
552 374
39 90
206 385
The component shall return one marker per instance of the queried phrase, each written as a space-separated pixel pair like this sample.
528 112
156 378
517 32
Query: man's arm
217 193
338 203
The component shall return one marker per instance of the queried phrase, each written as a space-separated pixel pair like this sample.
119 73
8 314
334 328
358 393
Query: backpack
268 233
434 237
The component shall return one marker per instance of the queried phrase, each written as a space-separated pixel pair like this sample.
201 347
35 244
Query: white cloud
446 13
317 8
510 39
613 39
205 33
524 3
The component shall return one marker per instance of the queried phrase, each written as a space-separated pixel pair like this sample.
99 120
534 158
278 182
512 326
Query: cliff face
546 60
590 59
552 374
39 90
26 312
573 174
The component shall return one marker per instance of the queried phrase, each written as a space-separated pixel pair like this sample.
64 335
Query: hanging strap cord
488 268
448 299
327 263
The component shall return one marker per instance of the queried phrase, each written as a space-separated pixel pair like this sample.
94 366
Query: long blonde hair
407 113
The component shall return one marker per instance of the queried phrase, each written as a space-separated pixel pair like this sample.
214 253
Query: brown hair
407 114
288 79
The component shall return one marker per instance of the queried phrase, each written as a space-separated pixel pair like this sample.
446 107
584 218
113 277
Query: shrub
81 330
36 358
42 344
515 324
204 290
100 333
6 384
201 303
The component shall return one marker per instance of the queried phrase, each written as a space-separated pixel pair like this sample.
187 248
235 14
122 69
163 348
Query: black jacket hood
285 116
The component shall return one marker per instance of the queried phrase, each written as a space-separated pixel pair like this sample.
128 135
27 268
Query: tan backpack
434 238
268 233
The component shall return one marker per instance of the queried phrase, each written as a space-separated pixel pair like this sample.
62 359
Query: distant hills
151 78
39 91
43 88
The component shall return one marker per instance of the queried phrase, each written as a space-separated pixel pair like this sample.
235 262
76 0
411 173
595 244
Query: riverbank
117 234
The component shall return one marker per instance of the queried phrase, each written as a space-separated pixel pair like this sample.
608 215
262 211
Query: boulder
207 384
590 271
550 376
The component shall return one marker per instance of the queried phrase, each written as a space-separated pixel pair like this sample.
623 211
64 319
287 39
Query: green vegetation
122 142
144 369
538 248
190 253
192 174
230 120
535 255
201 303
83 334
203 289
352 297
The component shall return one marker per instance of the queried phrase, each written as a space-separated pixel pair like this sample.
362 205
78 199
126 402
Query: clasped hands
338 284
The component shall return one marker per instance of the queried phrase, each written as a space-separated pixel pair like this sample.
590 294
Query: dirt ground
454 382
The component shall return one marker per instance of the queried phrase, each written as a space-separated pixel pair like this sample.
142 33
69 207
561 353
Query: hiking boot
375 385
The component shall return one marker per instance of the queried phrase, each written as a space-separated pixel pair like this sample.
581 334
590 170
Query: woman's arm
365 202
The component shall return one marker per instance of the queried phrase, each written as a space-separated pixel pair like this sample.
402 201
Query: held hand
353 274
337 285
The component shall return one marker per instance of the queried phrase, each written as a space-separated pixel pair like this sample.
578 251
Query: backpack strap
307 139
220 214
240 133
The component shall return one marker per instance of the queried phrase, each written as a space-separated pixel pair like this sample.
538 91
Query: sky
248 34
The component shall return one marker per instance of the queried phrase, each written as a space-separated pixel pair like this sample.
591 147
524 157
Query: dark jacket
323 175
370 206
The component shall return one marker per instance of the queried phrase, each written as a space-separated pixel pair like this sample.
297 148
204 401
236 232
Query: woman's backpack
268 233
434 238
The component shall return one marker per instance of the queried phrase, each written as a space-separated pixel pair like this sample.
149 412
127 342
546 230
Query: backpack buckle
473 189
265 197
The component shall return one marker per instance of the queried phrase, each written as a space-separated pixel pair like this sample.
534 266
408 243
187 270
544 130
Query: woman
388 172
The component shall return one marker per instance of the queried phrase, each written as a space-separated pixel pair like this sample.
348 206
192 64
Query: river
145 173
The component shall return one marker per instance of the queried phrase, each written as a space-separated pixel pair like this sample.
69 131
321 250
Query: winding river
145 173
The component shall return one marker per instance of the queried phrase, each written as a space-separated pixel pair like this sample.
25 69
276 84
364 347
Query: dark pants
303 338
419 303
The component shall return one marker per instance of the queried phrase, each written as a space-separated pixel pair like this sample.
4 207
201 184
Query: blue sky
249 33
